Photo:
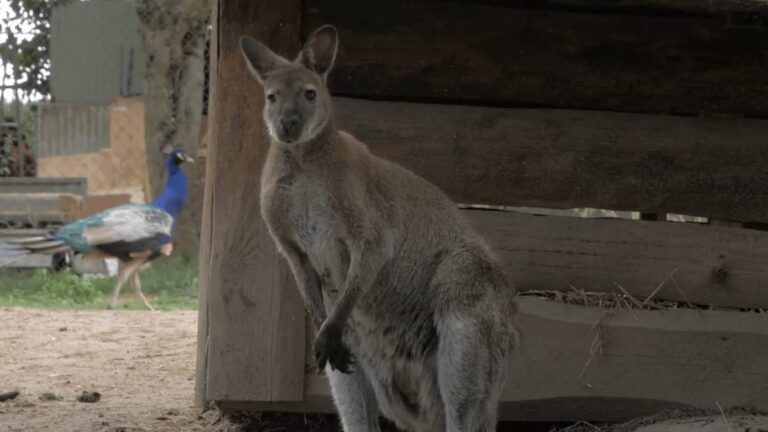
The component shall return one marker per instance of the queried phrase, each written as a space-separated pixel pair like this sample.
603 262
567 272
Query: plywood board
121 168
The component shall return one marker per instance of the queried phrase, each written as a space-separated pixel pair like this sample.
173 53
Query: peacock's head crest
176 156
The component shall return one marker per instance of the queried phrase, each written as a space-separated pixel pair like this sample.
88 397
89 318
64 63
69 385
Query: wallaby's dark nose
290 125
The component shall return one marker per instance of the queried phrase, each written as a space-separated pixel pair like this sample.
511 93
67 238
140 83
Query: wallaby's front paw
330 349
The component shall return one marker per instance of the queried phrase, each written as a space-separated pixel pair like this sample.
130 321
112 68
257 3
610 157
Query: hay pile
621 299
608 300
685 420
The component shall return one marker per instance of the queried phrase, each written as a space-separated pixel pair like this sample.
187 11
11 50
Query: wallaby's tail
12 250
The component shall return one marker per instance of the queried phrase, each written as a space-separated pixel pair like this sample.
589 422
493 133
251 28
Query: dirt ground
141 363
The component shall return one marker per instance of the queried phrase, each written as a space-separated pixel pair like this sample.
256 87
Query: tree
175 35
27 32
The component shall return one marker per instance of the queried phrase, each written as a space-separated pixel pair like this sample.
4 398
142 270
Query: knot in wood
720 273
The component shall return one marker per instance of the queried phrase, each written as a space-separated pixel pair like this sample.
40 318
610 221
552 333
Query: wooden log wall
684 262
549 158
489 53
634 105
648 361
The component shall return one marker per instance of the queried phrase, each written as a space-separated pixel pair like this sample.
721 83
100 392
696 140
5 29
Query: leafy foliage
27 32
56 290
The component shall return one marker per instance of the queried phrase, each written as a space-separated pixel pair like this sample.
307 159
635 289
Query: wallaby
391 274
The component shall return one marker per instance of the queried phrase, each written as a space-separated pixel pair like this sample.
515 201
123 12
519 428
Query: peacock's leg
137 288
128 270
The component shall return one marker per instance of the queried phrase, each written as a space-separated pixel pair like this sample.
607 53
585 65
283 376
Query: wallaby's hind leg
355 401
471 371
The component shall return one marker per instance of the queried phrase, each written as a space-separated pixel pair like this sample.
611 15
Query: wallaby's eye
271 98
310 95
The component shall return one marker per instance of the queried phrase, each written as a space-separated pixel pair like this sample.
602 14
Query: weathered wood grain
715 167
39 208
490 54
255 343
646 7
288 335
650 360
700 264
486 54
64 185
206 228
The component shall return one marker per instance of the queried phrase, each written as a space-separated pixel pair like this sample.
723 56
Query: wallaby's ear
259 58
166 148
319 52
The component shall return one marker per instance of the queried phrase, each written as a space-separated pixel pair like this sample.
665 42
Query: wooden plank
251 310
490 54
707 265
25 232
24 217
73 185
35 203
288 335
673 6
206 228
99 203
648 7
715 167
317 399
28 261
650 360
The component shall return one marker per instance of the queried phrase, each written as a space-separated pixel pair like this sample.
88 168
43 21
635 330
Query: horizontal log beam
649 361
645 361
715 167
647 6
686 262
491 54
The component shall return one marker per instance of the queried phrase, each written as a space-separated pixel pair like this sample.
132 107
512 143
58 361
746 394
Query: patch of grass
39 288
169 284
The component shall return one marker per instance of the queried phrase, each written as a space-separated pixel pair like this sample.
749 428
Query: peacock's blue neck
172 198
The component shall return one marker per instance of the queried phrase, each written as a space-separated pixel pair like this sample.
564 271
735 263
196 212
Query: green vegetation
169 284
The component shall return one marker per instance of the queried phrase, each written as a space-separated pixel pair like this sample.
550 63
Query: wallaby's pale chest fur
399 285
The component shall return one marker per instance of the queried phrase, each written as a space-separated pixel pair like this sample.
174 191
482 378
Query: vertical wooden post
252 319
207 220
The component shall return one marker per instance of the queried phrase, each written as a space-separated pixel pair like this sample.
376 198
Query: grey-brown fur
393 276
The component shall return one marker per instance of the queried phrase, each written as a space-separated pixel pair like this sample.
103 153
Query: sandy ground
142 364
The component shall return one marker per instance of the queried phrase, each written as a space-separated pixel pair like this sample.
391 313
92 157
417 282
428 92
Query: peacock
135 234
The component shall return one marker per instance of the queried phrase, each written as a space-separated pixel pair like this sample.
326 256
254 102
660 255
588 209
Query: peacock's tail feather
12 250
